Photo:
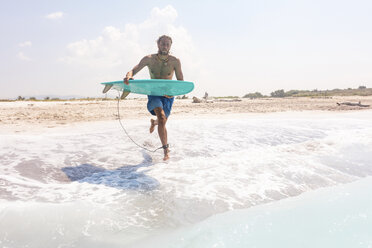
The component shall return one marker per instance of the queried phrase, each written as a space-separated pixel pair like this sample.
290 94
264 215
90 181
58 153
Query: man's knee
162 119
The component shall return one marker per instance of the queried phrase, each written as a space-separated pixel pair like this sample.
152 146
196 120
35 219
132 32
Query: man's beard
163 52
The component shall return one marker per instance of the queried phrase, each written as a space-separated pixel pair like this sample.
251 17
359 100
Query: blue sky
226 47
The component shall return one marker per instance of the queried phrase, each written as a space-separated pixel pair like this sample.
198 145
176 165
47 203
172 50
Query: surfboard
153 87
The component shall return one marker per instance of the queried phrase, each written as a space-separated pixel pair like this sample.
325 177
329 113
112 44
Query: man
161 66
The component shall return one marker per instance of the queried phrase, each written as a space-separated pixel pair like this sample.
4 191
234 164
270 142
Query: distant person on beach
206 96
161 65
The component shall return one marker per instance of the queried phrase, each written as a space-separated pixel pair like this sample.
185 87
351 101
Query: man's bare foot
166 154
153 124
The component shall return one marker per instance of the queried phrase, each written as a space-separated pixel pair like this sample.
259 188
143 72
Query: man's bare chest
161 69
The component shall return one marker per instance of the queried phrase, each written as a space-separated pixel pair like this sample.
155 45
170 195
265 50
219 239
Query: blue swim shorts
160 101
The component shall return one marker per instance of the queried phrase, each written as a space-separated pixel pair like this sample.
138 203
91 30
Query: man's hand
126 80
144 62
168 96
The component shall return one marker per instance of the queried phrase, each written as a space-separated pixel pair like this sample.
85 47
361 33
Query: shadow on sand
125 177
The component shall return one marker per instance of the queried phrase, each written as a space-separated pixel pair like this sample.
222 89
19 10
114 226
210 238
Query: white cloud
122 48
23 57
55 15
25 44
166 14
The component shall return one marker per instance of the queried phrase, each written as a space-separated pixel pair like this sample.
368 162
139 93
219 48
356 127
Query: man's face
164 46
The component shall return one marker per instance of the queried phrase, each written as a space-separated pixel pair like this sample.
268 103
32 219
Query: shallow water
90 186
339 216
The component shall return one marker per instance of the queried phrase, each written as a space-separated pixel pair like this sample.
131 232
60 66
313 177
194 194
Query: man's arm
179 75
144 62
178 70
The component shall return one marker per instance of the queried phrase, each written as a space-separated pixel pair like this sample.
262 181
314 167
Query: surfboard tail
107 88
124 94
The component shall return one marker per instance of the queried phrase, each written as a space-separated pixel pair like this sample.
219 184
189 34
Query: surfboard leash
122 126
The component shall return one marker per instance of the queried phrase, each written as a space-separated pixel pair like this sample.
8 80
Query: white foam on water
88 185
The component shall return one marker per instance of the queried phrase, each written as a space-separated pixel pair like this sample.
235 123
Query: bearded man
161 65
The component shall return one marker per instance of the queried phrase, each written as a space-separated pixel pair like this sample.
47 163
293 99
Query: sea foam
88 185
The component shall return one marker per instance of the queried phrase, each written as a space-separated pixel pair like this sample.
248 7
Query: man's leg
153 124
162 130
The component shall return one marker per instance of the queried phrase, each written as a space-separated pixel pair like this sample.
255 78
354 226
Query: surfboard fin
107 88
124 94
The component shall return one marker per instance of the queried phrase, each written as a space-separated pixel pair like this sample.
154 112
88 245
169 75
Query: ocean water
339 216
88 185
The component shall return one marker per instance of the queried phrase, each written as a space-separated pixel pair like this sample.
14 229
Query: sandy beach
20 116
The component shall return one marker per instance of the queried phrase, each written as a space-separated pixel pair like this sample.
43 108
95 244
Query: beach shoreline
86 177
23 116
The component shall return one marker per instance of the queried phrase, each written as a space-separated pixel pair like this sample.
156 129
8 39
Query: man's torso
161 69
